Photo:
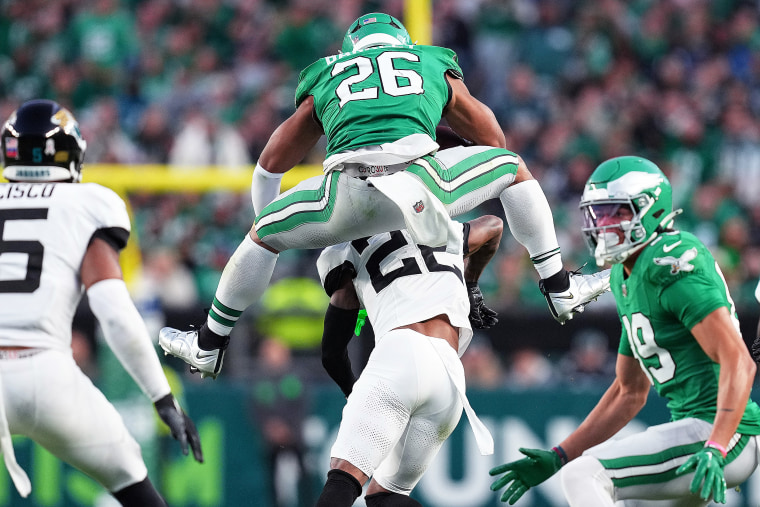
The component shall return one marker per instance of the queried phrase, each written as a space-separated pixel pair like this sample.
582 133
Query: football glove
707 465
481 317
181 425
756 349
525 473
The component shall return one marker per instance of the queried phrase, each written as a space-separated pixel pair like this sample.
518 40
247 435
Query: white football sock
530 220
244 279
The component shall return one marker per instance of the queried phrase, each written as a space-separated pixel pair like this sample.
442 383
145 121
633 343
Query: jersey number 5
32 249
394 82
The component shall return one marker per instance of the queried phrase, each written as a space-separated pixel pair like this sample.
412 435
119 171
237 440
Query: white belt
482 435
361 170
18 353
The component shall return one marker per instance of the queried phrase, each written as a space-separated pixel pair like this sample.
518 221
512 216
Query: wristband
265 187
561 453
717 446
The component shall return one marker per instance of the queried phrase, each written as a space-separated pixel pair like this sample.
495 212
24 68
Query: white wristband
125 332
265 187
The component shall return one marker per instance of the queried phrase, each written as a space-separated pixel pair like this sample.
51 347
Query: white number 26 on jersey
411 84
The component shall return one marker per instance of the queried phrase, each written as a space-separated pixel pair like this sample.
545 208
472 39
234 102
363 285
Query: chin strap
664 223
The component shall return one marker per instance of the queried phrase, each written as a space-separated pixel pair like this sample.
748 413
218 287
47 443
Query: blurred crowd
572 82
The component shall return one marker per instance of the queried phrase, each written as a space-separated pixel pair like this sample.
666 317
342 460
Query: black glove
756 349
481 317
180 424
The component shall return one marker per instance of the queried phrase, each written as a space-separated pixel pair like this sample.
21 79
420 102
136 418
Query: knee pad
388 499
340 490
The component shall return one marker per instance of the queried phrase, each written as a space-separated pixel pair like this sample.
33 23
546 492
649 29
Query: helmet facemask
638 195
613 243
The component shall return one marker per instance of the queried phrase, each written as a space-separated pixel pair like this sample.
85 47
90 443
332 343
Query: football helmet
634 183
41 141
374 29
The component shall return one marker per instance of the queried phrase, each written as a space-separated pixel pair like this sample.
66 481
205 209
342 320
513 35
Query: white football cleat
184 345
583 289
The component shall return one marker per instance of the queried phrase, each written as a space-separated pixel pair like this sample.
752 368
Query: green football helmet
632 182
374 29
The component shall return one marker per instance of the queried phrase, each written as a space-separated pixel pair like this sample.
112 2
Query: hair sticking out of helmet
41 141
635 189
373 30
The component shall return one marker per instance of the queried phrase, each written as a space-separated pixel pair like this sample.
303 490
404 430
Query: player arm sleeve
265 187
127 336
338 331
117 237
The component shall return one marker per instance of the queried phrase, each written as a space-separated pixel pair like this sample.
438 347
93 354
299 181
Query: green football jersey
674 285
378 95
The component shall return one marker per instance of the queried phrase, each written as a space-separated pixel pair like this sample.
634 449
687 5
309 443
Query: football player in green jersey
680 333
378 103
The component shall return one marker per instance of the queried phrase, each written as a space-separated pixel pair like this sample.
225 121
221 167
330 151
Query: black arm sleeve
114 236
338 331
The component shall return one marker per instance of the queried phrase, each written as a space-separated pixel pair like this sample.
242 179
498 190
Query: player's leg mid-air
402 176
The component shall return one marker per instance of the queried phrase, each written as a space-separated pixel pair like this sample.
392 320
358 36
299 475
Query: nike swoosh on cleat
668 248
568 297
201 357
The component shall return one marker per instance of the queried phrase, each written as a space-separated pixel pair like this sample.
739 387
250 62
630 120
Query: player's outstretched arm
126 334
620 403
521 475
483 241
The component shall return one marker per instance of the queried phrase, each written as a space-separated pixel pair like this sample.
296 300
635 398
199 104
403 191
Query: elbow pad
265 187
125 332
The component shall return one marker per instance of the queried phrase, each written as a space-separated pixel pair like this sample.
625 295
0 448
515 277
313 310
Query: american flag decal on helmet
418 206
11 147
369 20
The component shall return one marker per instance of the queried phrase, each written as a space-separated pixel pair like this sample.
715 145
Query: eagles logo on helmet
41 141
